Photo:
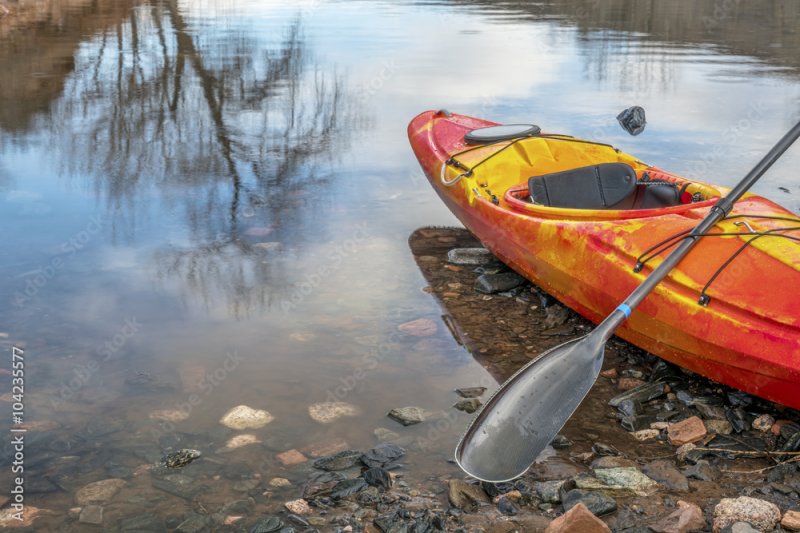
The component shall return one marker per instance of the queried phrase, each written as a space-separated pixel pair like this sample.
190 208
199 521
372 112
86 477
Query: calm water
214 199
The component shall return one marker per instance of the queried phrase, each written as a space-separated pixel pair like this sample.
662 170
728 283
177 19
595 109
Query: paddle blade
528 410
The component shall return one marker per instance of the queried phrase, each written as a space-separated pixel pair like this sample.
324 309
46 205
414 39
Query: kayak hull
747 337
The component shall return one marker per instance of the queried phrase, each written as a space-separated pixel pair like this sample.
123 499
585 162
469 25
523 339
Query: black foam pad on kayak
600 186
651 195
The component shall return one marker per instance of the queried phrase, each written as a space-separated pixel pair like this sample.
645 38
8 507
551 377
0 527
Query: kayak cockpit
650 192
551 175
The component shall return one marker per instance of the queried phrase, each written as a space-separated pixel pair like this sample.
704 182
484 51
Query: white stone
327 412
244 417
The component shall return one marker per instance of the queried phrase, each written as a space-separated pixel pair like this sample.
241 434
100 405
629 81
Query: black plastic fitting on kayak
505 132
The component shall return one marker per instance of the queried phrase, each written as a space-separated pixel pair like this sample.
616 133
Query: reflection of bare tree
221 128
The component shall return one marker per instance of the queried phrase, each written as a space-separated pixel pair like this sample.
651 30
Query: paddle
524 415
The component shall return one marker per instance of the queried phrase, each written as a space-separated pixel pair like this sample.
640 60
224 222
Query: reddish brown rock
687 517
629 383
611 373
579 518
690 430
422 327
791 521
291 457
326 447
776 427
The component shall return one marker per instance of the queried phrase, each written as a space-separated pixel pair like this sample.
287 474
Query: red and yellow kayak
730 310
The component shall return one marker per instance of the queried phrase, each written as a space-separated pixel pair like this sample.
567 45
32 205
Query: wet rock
384 434
327 412
291 457
740 527
392 522
555 315
560 442
279 482
587 482
720 427
791 521
378 477
348 487
471 256
240 441
684 452
604 449
612 461
238 507
194 524
633 120
578 518
555 468
793 443
299 506
625 478
421 327
382 454
645 434
178 485
268 524
762 515
507 507
630 408
170 415
763 423
325 447
246 485
636 423
625 384
409 415
686 431
468 405
471 392
143 522
244 417
642 394
739 399
99 492
91 514
781 471
739 419
463 495
339 461
180 458
549 491
687 517
9 517
709 411
785 428
611 373
597 502
701 470
494 283
665 473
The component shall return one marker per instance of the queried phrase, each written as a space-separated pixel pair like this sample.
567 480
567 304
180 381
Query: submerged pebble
244 417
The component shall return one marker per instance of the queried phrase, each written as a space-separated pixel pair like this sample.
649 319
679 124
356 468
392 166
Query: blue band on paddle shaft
625 309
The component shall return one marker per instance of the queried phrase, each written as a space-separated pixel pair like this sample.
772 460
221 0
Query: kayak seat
602 186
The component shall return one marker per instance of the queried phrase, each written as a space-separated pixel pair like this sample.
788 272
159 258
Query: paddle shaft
719 211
